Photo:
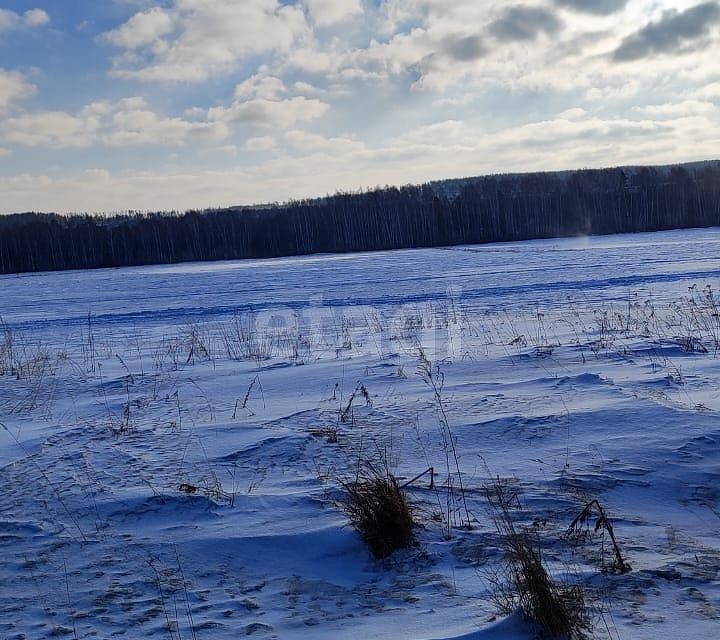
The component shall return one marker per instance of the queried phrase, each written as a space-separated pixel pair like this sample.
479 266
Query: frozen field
565 370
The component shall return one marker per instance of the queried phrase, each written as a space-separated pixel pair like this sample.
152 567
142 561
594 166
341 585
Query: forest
462 211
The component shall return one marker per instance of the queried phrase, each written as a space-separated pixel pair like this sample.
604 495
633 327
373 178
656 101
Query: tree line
463 211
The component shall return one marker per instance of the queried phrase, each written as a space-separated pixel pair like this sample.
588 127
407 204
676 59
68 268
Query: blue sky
133 104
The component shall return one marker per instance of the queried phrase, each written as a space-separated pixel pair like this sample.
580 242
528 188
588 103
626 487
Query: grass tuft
559 610
378 508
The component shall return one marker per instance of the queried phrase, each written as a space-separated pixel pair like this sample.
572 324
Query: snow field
570 370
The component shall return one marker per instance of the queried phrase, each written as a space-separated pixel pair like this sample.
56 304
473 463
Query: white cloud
708 92
260 143
438 133
137 124
47 129
437 46
262 101
144 28
306 164
36 18
128 122
574 113
207 38
31 18
327 13
307 143
260 86
8 19
261 112
13 87
672 110
440 45
97 175
311 59
307 89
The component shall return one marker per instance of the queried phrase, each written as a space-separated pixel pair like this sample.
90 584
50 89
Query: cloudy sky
134 104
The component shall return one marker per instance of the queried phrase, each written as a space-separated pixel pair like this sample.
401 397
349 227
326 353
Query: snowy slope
572 370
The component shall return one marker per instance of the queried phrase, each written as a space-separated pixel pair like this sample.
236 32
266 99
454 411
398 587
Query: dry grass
558 610
580 530
378 508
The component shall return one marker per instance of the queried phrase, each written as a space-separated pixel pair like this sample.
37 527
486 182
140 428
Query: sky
114 105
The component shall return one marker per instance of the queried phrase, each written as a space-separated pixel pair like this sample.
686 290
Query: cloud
673 110
315 143
8 19
192 40
574 113
709 92
307 89
261 112
311 59
261 143
261 86
449 132
260 101
313 164
13 87
31 18
428 45
131 122
523 22
47 129
326 13
569 140
598 7
143 29
128 122
36 18
465 48
671 34
435 56
391 58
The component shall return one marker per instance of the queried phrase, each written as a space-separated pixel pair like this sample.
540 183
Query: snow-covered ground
567 370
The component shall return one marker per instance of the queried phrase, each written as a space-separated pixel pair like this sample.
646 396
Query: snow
572 370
